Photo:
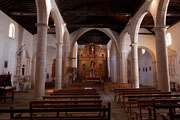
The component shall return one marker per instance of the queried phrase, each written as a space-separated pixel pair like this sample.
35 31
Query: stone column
66 67
118 67
154 63
135 71
123 68
40 75
58 82
162 60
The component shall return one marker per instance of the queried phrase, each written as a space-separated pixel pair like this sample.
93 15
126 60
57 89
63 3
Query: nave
21 101
125 104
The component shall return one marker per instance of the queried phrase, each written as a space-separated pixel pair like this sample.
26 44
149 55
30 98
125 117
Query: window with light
12 31
168 39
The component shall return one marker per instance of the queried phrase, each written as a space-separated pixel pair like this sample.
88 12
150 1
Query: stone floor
22 101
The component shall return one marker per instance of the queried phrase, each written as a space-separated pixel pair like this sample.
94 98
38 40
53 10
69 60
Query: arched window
143 51
168 39
12 31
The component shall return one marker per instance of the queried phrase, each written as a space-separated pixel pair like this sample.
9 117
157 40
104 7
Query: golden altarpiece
92 62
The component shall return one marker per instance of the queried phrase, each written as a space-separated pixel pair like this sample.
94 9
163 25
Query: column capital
133 44
154 62
160 27
41 24
59 43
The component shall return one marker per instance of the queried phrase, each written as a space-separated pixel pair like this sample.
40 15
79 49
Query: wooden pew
170 105
73 104
119 91
83 93
108 86
81 85
123 96
72 97
106 113
64 103
144 101
76 91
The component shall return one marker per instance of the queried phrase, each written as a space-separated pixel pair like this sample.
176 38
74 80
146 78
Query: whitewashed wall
145 68
51 55
8 46
175 35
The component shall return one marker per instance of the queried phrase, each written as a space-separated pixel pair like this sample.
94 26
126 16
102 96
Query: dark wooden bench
80 93
76 91
58 116
123 97
141 102
119 91
72 97
49 104
171 105
111 86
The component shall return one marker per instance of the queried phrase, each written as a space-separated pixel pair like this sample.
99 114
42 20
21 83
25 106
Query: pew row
111 86
58 116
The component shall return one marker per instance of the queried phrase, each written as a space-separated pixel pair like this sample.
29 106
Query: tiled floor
22 101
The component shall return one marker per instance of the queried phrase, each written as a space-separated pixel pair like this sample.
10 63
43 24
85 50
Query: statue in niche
92 69
92 49
84 67
100 66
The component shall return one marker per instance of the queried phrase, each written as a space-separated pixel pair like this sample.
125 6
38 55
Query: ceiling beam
94 13
94 25
147 26
22 14
173 15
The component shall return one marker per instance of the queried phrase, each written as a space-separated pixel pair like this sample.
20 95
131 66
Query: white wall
145 62
8 46
51 55
175 35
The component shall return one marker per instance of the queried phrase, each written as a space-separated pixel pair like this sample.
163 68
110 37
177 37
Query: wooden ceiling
113 14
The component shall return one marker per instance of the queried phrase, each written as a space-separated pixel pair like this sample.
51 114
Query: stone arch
104 30
58 20
66 40
113 63
161 13
58 25
137 23
44 8
42 14
149 51
124 42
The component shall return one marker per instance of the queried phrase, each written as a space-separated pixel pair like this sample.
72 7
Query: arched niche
147 67
145 61
75 50
80 32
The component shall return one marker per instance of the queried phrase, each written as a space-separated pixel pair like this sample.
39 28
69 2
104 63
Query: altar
94 80
92 63
22 83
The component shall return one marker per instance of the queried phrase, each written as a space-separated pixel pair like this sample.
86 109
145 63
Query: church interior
89 60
